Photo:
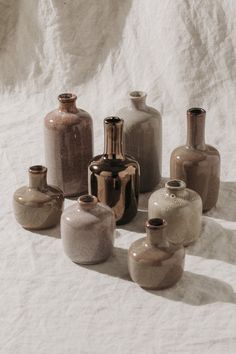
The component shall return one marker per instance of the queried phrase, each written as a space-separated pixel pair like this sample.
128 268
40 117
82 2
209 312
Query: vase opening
87 200
175 184
137 94
113 120
67 97
37 169
156 223
196 111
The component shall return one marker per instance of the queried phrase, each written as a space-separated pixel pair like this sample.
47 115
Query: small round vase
87 231
181 208
38 206
152 262
143 138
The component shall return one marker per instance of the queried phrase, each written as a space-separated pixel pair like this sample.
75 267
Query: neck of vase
38 177
87 202
113 135
175 187
138 100
67 103
196 128
155 229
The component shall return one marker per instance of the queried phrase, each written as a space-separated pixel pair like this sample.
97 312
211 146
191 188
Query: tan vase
197 163
181 208
113 176
143 138
152 262
68 135
87 231
38 205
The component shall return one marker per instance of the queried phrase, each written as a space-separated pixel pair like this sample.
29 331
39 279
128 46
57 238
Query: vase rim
137 95
175 184
37 169
156 223
113 120
196 111
87 200
67 97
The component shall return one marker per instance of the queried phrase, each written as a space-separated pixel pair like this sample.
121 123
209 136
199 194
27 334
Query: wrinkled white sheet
183 54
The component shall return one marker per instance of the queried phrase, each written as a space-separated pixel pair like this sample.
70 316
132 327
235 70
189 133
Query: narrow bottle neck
138 100
87 202
176 187
196 128
38 177
67 103
155 229
113 136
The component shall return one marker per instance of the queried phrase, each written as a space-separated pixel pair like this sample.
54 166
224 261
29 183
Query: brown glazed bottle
197 163
113 176
68 136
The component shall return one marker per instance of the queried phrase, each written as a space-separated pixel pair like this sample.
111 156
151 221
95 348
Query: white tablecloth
183 54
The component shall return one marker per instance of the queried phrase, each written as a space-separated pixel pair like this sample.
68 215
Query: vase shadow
52 232
226 205
197 290
215 242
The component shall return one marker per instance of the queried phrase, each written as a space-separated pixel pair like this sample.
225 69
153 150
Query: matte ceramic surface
87 231
197 163
39 205
152 262
143 138
113 176
181 208
68 133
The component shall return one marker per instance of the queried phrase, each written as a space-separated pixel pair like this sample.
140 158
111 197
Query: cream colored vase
181 208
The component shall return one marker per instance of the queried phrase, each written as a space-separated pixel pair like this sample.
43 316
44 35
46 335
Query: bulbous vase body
143 138
152 262
113 176
181 208
87 231
197 163
68 136
38 205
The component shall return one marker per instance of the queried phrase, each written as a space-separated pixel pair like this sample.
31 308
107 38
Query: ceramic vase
38 205
143 138
197 163
68 135
113 176
152 262
181 208
87 231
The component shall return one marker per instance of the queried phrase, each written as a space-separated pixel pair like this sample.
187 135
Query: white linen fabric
182 53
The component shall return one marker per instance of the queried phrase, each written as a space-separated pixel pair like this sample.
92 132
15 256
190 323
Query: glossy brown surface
38 205
153 263
113 176
68 133
197 163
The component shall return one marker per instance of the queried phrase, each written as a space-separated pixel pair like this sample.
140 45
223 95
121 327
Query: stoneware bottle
113 176
181 208
68 135
87 231
38 205
197 163
143 138
152 262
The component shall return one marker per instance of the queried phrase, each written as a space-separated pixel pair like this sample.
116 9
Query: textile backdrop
182 53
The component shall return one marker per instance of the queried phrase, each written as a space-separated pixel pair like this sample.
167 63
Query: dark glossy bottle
196 163
113 176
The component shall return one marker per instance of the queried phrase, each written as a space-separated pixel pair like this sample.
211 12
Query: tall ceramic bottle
197 163
68 136
113 176
143 138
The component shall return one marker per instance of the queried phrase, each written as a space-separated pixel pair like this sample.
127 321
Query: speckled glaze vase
87 231
197 163
68 136
181 208
143 138
113 176
152 262
38 205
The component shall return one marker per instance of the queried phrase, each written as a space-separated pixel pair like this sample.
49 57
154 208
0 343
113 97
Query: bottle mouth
156 223
113 120
38 169
87 200
196 111
175 184
137 95
67 97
